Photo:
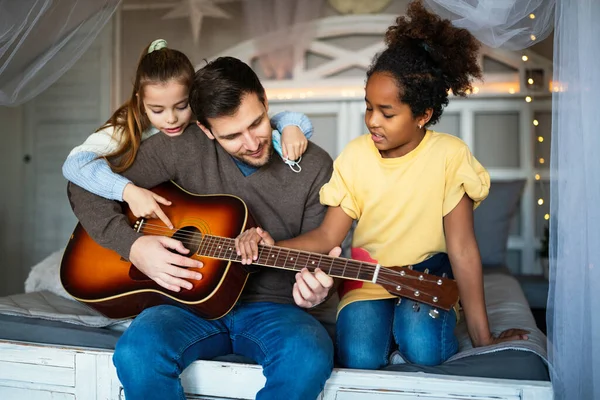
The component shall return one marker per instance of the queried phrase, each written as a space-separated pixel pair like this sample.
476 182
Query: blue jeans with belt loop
368 331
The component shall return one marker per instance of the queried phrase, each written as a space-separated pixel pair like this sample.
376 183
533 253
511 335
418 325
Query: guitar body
102 279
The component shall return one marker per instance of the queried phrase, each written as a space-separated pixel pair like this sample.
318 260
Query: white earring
420 126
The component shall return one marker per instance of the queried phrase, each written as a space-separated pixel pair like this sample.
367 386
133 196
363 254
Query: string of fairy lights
540 161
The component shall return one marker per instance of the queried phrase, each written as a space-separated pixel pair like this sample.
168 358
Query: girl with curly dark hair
412 192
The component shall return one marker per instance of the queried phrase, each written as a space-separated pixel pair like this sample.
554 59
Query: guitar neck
419 286
289 259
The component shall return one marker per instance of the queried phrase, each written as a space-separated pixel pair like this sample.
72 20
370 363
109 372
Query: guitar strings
303 256
300 253
339 262
383 277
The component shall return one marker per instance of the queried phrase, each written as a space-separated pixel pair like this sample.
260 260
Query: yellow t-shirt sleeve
338 192
464 174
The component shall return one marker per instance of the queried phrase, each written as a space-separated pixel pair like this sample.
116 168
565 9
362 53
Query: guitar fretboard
294 260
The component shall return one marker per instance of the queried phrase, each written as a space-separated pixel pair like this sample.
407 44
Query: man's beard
268 150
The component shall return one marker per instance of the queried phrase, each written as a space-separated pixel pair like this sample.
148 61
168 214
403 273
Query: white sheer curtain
290 20
573 319
511 24
41 39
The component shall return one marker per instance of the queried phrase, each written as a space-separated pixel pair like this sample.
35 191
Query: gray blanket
507 308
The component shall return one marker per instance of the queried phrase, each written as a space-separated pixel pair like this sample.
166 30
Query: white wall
11 182
36 217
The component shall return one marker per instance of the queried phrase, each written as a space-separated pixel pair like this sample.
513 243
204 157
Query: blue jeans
368 331
294 349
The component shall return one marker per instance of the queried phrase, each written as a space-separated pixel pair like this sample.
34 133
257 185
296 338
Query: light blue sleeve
93 174
287 118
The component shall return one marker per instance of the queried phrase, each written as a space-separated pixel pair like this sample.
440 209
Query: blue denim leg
294 349
159 344
364 334
421 338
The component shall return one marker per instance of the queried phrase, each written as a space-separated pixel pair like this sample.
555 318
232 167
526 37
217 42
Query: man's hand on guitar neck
151 255
310 289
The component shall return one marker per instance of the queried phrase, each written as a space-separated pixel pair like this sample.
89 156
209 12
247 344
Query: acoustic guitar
207 225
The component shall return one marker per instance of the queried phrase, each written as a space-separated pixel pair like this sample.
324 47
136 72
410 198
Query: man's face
246 135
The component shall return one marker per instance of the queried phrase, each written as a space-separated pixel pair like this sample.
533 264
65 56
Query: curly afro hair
428 57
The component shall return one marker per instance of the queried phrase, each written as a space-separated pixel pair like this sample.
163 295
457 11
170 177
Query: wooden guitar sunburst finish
113 286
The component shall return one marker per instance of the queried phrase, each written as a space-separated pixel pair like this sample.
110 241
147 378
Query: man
230 151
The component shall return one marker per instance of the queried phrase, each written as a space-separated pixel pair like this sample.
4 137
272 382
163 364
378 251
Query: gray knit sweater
283 202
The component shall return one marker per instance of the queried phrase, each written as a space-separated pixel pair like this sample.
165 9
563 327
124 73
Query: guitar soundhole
189 236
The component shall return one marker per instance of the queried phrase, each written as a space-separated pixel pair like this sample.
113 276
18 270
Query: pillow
45 275
493 218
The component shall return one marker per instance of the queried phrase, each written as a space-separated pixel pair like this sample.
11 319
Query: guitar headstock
419 286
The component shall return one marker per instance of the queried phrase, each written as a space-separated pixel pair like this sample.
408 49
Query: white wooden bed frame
40 372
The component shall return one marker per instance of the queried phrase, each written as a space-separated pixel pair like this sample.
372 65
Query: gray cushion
25 329
493 217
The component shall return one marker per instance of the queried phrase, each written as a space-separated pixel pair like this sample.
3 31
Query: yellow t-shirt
400 203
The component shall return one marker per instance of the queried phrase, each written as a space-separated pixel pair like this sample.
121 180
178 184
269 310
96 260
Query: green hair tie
157 45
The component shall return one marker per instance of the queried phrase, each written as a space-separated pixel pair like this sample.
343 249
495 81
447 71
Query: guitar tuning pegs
417 293
410 267
426 271
439 282
433 313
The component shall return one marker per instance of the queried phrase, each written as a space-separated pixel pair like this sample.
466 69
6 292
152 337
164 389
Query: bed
53 347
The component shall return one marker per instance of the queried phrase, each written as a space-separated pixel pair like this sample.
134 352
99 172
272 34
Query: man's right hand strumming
151 255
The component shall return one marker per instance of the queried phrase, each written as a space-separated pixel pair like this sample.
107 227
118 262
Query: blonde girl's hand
293 142
143 203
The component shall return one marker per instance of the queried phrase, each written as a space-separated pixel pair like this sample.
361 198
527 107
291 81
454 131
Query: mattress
509 364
